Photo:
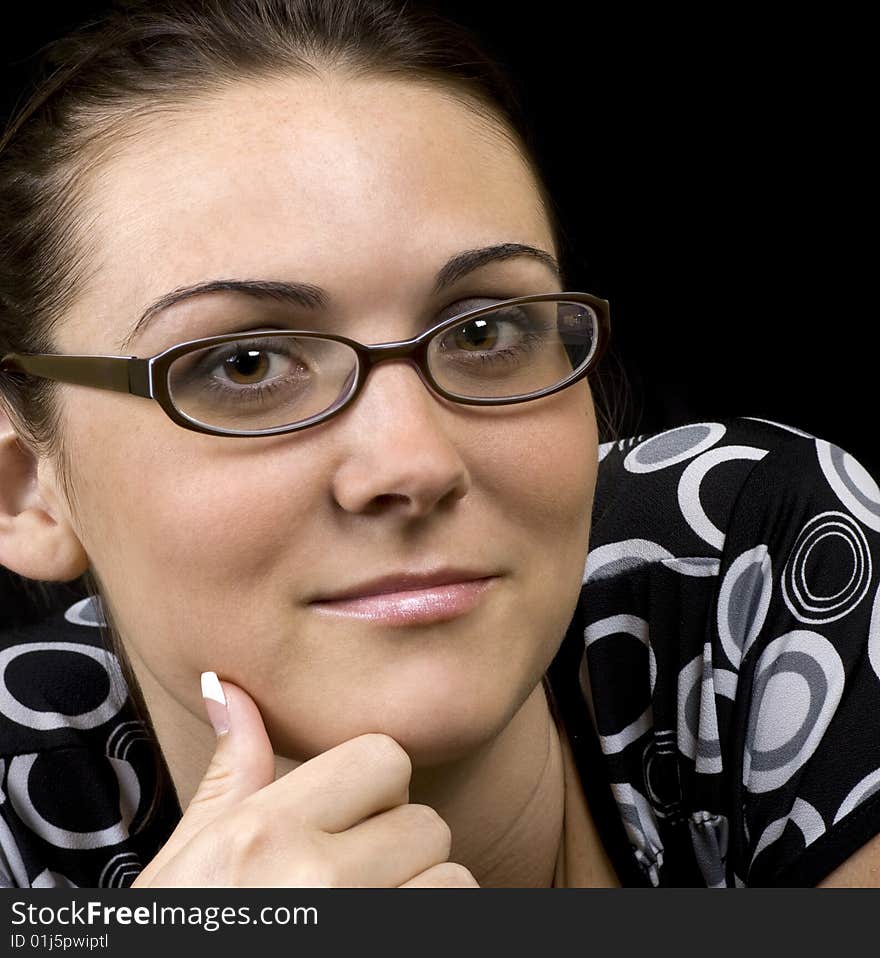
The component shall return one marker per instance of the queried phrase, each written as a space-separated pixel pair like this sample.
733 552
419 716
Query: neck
504 802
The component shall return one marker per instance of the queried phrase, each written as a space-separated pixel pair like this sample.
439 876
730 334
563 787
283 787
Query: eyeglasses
275 381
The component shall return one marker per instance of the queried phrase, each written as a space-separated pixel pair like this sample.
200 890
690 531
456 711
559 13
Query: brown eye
479 334
251 365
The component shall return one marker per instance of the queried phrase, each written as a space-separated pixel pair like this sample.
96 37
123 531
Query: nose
399 454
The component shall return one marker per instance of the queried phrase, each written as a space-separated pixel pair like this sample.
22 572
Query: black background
712 171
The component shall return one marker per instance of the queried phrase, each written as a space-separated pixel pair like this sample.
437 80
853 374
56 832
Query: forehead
368 180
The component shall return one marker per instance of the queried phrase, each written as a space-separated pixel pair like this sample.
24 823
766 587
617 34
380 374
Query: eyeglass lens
264 382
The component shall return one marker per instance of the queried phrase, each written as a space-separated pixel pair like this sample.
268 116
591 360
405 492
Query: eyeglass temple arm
122 374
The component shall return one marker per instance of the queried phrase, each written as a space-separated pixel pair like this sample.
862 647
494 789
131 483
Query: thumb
243 761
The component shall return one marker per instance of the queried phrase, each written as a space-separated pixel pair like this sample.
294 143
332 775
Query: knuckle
317 873
435 822
386 751
453 875
248 853
317 863
226 852
245 840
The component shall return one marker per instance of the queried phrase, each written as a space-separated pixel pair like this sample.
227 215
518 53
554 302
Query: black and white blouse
719 681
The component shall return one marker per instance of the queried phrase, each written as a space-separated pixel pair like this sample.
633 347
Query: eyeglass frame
148 376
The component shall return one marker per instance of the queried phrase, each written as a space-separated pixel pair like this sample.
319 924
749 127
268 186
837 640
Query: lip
409 599
405 582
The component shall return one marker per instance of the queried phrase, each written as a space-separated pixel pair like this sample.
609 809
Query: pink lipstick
436 603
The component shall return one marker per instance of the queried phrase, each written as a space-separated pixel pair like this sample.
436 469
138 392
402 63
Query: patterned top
719 681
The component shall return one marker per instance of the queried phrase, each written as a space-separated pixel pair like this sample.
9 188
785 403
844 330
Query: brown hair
149 56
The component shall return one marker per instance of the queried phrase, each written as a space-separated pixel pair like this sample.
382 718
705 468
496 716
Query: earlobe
36 541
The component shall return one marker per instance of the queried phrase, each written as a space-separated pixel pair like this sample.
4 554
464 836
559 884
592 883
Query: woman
212 168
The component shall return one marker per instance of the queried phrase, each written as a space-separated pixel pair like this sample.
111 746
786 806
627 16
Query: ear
36 538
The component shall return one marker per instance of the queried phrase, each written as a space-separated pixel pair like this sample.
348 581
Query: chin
430 748
444 724
440 701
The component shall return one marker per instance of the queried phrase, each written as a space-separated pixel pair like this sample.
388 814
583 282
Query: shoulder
681 488
59 683
731 617
651 452
81 802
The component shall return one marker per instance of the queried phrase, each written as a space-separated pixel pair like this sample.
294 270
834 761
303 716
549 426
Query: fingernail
215 702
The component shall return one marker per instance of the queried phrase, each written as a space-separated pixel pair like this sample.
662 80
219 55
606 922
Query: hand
341 819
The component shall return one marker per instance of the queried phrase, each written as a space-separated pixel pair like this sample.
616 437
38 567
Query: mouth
402 603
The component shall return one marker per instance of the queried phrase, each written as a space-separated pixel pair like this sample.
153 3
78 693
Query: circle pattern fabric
82 799
847 558
747 553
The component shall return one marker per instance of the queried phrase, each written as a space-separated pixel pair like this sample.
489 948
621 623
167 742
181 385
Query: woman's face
211 548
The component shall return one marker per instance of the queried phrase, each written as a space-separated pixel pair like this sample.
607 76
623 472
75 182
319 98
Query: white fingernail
211 688
215 702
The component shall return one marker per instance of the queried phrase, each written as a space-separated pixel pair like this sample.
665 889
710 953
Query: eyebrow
314 297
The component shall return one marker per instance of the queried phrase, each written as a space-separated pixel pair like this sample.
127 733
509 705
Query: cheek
539 475
544 467
550 488
221 521
202 513
185 541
